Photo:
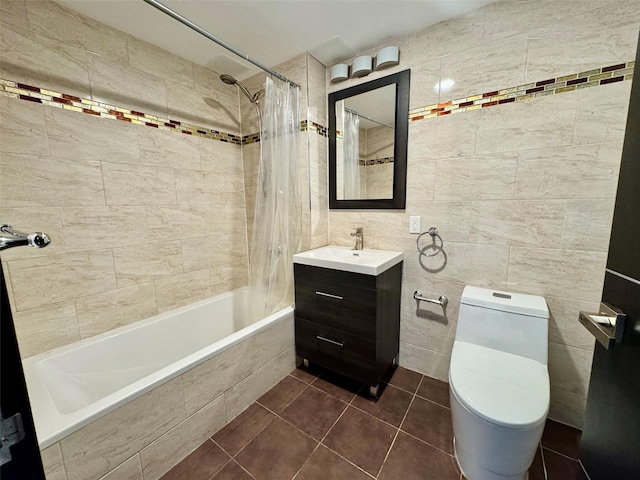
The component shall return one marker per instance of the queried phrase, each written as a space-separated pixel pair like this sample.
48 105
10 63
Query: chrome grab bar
330 295
442 300
17 239
324 339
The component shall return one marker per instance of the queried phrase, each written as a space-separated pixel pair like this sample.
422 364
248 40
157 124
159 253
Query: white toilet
499 383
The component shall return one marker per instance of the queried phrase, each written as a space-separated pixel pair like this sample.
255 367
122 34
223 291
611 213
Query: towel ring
433 231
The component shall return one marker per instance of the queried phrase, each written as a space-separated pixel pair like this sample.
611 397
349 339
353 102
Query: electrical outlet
414 224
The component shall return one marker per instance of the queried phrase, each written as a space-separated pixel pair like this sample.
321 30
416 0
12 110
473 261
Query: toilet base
479 474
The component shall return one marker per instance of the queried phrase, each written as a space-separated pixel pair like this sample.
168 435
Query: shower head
229 80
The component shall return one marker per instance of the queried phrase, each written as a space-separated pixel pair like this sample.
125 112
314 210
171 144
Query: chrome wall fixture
365 64
433 231
14 238
442 299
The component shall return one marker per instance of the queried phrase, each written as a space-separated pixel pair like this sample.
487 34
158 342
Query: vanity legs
373 391
305 362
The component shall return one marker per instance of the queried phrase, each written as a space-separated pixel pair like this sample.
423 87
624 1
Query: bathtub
74 385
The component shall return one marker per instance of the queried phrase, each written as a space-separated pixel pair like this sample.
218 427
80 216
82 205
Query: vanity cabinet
348 322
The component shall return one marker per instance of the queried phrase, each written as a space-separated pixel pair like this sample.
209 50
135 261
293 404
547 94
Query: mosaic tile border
105 110
375 161
73 103
568 83
315 127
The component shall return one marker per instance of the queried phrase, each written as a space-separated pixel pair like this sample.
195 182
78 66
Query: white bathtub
71 386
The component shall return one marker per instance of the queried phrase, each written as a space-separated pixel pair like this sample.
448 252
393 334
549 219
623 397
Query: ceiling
269 31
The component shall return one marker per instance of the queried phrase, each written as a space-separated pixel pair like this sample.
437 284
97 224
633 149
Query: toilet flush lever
442 300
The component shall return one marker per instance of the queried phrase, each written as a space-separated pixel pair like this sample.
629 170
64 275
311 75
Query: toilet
499 383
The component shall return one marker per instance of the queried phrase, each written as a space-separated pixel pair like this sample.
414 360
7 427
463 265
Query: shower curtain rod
222 43
367 118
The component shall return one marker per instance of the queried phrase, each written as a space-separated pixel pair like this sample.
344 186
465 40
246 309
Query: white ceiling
272 31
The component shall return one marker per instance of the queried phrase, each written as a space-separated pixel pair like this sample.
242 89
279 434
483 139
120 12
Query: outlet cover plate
414 224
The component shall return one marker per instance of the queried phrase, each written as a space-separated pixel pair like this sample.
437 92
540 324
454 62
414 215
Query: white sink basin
369 262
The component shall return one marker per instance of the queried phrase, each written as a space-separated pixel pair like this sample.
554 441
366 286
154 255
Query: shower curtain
277 223
351 148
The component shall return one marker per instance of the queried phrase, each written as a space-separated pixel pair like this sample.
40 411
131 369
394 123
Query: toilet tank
511 322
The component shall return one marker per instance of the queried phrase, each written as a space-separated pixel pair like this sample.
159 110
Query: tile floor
315 425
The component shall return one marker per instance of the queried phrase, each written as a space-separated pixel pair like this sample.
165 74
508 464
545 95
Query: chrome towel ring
433 231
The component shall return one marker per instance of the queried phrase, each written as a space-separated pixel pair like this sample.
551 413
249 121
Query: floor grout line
244 469
306 386
347 460
397 433
306 460
320 442
544 463
252 438
559 453
426 443
351 403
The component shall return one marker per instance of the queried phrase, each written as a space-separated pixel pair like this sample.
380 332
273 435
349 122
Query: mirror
368 133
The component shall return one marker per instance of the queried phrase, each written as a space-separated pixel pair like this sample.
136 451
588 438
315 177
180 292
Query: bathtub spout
17 239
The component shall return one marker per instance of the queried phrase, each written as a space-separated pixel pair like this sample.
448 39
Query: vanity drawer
346 307
337 350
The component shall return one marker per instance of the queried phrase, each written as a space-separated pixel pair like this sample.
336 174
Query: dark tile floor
315 425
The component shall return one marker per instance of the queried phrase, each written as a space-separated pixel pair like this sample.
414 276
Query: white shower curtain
276 227
351 149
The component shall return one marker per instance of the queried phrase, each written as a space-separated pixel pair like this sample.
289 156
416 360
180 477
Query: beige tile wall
521 193
377 143
141 220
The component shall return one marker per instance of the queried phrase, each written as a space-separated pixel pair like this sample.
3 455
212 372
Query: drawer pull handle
320 337
337 297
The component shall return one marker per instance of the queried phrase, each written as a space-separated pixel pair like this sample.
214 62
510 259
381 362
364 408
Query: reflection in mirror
366 144
368 136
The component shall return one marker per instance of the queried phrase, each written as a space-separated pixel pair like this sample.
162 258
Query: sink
368 262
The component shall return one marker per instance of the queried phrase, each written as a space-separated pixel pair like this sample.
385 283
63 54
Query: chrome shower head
229 80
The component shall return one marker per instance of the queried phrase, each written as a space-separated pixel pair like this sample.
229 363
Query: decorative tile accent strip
375 161
313 126
50 98
551 86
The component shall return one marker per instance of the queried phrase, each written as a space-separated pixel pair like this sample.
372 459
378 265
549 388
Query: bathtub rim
51 426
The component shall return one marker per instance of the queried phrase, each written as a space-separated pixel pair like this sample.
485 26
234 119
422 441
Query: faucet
16 239
359 238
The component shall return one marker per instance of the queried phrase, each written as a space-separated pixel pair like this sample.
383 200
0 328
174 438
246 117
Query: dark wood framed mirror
368 136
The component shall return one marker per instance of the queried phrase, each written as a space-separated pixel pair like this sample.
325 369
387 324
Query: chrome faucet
359 238
16 239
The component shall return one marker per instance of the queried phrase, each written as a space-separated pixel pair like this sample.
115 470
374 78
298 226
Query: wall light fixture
364 64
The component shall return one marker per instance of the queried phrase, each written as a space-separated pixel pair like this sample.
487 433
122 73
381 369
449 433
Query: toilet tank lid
532 305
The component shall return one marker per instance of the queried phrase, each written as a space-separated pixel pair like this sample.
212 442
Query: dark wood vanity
348 322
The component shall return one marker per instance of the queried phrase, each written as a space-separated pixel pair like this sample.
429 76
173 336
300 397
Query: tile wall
131 159
142 219
376 152
522 193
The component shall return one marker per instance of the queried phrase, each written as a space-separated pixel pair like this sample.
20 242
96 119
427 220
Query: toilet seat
502 388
